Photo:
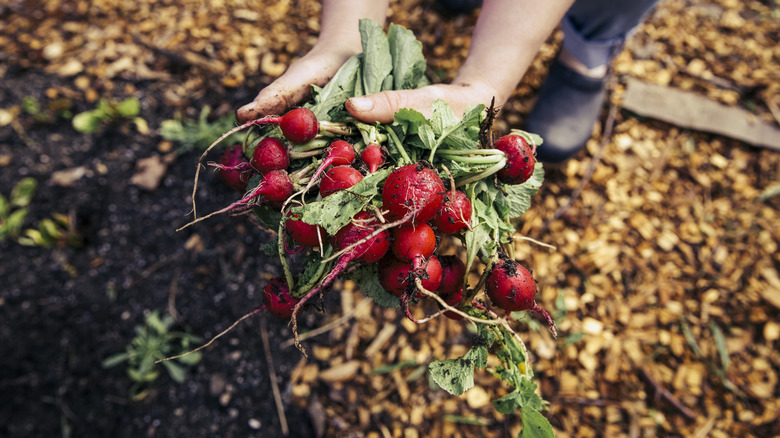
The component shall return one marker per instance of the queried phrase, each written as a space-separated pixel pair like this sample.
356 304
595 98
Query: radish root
211 341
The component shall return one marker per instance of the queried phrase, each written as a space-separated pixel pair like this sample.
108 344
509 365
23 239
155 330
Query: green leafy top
388 62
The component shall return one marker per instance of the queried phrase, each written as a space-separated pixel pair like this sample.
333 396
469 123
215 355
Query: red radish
512 287
394 275
277 298
339 178
451 288
270 154
373 156
298 125
414 192
455 213
412 241
366 249
362 225
520 159
275 187
304 234
235 169
453 270
338 153
397 276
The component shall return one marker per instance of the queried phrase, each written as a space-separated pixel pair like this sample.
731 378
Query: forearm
339 25
506 39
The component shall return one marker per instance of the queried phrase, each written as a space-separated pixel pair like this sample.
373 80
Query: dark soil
64 310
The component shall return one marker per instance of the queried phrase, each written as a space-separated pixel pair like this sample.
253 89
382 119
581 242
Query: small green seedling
59 230
60 108
153 341
55 231
198 134
13 210
107 112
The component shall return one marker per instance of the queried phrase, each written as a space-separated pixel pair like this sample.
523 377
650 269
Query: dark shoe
568 106
459 6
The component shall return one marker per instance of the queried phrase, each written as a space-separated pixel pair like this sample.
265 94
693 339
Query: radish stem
397 143
484 174
280 247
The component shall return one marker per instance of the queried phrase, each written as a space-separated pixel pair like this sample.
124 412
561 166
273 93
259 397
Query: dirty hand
338 40
316 67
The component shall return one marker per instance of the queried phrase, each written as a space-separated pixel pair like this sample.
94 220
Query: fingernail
362 103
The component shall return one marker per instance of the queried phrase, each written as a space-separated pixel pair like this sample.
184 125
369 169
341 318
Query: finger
381 107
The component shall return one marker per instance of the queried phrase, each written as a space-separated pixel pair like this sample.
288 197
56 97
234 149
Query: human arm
339 39
506 39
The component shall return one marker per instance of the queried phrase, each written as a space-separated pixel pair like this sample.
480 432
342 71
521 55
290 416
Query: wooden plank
690 110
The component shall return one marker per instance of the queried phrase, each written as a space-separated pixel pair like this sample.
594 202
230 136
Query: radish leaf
535 425
408 61
377 61
367 279
337 210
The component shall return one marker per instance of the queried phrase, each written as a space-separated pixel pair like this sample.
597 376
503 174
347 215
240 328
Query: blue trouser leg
594 30
570 101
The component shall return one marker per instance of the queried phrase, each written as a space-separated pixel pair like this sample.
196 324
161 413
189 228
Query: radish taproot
270 154
339 178
274 188
512 287
520 159
413 192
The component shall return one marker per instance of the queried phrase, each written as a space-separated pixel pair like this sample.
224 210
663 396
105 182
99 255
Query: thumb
381 107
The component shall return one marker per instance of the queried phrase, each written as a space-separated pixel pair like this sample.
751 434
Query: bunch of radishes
399 231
